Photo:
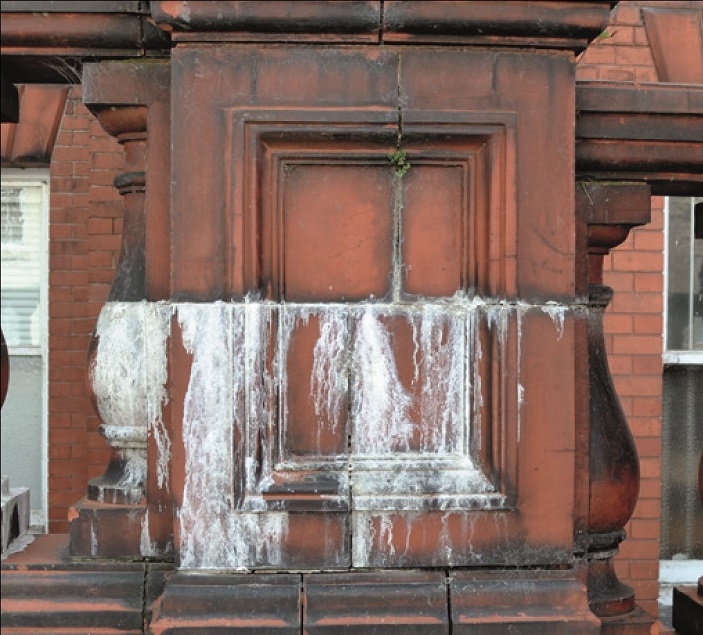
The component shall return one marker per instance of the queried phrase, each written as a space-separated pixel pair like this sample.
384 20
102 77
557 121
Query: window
682 434
684 281
24 231
23 236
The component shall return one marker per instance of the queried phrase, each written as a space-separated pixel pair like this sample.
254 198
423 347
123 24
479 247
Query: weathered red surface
649 133
329 434
676 41
607 212
281 190
143 86
229 604
336 226
36 35
30 141
45 590
359 602
288 199
105 530
532 601
558 25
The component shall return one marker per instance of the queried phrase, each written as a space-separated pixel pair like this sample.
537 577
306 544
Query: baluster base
98 530
607 596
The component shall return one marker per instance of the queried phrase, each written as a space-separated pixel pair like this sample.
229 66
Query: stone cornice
651 133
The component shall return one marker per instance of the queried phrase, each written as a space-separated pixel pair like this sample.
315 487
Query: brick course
83 254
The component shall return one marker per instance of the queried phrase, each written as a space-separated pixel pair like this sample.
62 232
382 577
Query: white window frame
42 178
675 356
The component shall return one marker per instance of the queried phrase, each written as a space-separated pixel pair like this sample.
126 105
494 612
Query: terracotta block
666 31
492 85
636 622
69 598
399 340
357 21
315 541
549 397
409 602
365 76
434 230
105 530
337 232
314 413
44 591
426 375
251 83
228 603
258 527
483 23
551 602
432 539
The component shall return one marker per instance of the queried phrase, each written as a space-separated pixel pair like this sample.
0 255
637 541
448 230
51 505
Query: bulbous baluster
608 212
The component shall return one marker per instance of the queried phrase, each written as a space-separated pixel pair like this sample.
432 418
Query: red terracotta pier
352 368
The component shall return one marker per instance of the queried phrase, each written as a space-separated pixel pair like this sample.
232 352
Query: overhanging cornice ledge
556 24
46 42
650 133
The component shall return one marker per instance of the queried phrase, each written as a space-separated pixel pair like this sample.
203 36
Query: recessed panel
337 232
314 383
409 383
434 229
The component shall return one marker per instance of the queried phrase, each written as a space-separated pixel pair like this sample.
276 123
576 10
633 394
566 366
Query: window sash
683 285
25 261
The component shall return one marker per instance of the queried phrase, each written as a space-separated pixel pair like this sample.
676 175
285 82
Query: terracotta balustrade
609 211
116 518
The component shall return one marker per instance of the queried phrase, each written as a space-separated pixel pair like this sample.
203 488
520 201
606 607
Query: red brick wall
84 231
633 322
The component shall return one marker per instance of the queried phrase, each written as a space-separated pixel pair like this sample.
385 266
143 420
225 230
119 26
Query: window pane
679 262
22 233
22 422
682 442
697 282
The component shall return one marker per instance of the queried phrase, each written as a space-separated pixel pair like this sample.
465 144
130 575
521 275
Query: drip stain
415 411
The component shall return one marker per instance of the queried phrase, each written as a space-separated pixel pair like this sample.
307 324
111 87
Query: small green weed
399 161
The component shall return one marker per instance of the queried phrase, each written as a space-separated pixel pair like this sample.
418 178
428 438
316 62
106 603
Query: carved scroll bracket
609 211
